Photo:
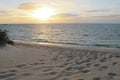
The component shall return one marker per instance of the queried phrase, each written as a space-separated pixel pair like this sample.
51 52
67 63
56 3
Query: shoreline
78 47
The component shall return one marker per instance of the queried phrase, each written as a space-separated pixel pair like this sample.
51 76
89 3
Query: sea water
99 35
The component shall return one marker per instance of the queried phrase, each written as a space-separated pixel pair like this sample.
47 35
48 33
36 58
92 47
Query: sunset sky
59 11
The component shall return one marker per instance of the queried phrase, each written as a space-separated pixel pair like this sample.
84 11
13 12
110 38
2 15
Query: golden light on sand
44 13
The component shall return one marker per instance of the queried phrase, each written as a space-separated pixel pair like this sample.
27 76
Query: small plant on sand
4 39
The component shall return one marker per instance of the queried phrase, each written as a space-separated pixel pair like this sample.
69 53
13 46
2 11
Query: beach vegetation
4 39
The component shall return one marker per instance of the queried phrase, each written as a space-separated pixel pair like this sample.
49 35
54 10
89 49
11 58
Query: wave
68 43
41 40
107 45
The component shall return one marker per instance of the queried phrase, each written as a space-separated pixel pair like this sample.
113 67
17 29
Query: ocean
97 35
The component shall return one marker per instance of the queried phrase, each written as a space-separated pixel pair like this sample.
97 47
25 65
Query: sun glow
44 13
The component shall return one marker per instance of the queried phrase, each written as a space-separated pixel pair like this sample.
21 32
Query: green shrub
4 39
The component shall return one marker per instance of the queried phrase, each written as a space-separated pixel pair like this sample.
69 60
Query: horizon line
60 23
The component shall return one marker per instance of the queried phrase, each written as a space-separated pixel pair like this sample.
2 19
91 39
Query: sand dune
33 61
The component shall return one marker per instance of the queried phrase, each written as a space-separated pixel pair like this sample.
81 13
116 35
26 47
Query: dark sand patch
96 78
26 74
7 75
21 65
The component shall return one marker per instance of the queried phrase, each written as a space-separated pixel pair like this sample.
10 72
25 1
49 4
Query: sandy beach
33 61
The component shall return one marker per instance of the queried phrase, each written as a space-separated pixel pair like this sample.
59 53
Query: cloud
115 15
63 5
2 12
66 15
97 10
100 13
114 6
21 11
29 6
111 15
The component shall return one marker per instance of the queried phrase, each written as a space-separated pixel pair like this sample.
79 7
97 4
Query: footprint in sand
7 75
41 60
12 70
88 64
96 65
68 68
103 68
3 72
114 63
65 79
117 56
68 73
103 59
61 66
46 70
81 79
26 74
37 68
79 62
112 74
54 59
37 63
56 77
20 66
11 79
96 78
51 73
110 56
66 63
79 68
68 60
85 71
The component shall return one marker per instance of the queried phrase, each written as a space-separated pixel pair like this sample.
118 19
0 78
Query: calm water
100 35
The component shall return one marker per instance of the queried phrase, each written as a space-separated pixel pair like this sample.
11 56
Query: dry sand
33 61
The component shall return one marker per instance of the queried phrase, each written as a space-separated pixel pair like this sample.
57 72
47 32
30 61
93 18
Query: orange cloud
29 6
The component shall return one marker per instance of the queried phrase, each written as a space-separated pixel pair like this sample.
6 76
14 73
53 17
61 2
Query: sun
43 13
